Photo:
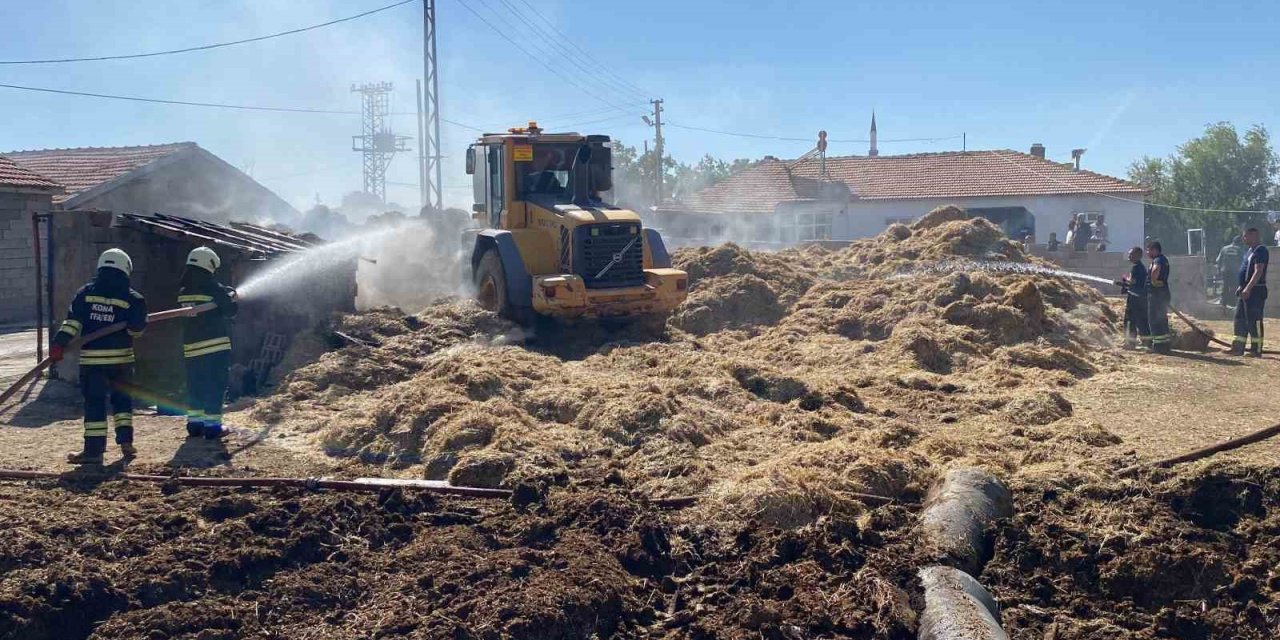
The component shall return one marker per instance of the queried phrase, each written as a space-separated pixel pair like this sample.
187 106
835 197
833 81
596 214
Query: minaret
874 151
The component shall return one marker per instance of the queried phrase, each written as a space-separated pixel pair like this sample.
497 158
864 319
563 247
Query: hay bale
939 216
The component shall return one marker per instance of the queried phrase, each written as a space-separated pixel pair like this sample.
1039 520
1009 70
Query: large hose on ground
159 316
958 515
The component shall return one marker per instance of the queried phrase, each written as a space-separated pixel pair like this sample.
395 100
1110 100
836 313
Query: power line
520 47
218 45
602 67
595 121
811 139
1115 197
214 105
557 48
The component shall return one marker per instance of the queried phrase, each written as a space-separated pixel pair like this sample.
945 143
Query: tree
635 175
1218 170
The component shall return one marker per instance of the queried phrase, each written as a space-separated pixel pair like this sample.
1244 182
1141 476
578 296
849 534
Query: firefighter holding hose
206 342
106 363
1158 298
1252 293
1134 289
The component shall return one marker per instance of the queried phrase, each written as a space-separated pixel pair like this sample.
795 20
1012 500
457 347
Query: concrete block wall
1187 274
17 255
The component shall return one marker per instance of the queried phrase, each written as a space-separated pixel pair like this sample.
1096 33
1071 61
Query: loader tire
491 284
491 290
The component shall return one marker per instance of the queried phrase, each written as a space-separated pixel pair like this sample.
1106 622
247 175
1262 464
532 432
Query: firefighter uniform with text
1252 294
1158 299
206 342
106 363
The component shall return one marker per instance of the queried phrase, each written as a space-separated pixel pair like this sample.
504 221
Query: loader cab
524 167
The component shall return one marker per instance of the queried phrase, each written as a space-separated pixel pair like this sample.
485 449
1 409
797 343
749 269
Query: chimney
773 158
1037 150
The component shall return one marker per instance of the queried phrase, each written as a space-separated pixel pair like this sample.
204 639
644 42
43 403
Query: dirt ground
788 384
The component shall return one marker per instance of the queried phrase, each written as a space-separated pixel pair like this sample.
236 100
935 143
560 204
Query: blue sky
1121 78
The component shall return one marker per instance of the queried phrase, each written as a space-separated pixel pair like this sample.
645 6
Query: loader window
547 174
495 186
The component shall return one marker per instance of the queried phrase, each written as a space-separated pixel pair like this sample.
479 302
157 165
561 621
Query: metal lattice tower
376 142
431 140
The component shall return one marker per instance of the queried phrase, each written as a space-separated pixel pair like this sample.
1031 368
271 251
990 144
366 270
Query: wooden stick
159 316
363 484
1256 436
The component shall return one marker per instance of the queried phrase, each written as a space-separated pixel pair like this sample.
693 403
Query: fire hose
159 316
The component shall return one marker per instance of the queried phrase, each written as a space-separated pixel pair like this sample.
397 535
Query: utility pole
431 150
657 142
423 202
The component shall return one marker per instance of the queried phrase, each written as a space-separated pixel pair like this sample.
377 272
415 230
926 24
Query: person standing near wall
106 364
206 343
1228 258
1158 298
1084 231
1252 293
1070 240
1100 232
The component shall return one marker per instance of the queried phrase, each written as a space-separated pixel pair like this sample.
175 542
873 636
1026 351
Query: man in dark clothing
1084 232
206 343
1228 259
106 363
1134 287
1158 298
1252 294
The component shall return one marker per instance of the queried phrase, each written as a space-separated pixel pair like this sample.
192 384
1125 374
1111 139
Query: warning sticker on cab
523 153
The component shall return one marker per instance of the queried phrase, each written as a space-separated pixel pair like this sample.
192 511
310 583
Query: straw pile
787 383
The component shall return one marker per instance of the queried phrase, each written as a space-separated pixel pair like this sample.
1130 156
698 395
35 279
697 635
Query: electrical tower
431 140
376 142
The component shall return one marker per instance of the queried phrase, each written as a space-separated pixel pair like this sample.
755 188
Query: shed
23 194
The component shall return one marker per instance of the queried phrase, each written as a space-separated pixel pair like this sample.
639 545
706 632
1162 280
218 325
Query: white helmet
116 259
205 258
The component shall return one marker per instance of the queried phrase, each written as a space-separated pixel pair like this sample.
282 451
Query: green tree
1218 170
635 173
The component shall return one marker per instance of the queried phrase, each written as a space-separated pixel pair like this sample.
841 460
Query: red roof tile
953 174
84 168
14 175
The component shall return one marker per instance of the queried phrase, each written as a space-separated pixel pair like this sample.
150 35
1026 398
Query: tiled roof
84 168
14 175
953 174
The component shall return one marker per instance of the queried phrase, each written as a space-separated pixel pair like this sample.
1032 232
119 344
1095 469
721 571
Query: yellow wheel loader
548 245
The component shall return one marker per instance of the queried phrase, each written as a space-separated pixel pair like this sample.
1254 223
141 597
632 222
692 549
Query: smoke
415 262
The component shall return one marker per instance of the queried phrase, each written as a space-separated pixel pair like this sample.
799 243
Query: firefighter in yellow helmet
206 342
106 363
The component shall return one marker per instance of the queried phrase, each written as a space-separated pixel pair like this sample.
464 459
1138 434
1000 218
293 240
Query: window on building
813 226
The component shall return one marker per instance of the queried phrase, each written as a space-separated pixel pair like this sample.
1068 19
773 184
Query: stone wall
17 255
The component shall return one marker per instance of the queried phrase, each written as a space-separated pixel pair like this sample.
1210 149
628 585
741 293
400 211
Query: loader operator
1158 298
1134 288
1252 293
206 343
106 363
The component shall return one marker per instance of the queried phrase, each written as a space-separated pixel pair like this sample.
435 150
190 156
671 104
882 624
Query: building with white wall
778 202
